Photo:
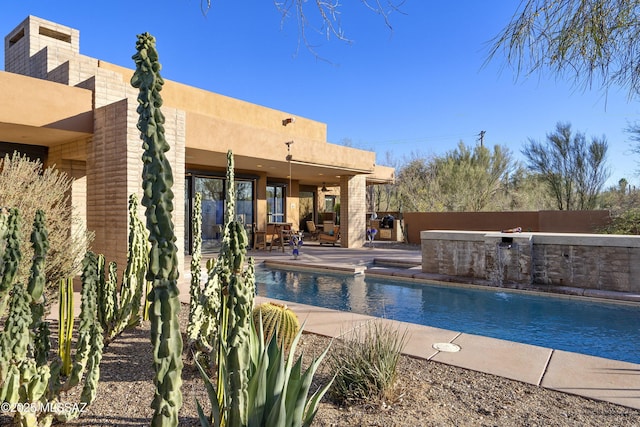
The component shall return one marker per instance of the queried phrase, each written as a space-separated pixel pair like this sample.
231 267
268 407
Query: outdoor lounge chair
333 236
311 226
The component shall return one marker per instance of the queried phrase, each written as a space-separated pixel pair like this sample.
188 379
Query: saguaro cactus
163 262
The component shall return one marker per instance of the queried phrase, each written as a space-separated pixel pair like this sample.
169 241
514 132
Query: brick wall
353 205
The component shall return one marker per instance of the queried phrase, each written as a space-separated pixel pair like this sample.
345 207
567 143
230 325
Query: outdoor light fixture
288 120
289 157
324 188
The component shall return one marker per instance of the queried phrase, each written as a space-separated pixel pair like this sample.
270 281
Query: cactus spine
158 199
277 319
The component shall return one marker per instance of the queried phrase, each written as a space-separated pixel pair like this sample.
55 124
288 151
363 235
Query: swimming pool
602 329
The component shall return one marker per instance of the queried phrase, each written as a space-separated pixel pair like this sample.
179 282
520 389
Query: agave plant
278 387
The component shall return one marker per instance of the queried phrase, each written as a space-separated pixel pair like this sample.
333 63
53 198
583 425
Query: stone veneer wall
602 262
588 261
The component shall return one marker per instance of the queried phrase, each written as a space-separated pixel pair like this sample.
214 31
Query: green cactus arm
157 180
4 228
110 298
195 309
17 335
100 284
40 244
88 315
137 259
11 258
90 388
65 324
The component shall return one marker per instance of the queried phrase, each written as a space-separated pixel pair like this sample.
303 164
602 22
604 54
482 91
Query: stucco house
79 114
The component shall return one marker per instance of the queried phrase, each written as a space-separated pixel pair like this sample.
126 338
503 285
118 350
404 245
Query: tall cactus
40 244
65 324
227 303
88 318
256 383
195 308
134 275
163 263
25 377
11 256
121 310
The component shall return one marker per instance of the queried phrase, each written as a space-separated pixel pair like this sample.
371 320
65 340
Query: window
329 203
275 203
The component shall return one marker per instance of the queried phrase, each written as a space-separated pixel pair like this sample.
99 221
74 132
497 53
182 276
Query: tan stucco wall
40 104
543 221
256 131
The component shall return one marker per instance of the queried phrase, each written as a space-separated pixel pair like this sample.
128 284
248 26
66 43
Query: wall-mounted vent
54 34
13 40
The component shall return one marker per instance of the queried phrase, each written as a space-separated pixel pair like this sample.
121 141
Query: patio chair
313 230
333 236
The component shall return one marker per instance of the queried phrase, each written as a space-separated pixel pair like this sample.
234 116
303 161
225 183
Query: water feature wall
586 261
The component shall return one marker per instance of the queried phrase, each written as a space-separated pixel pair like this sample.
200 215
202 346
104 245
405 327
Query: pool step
397 263
334 267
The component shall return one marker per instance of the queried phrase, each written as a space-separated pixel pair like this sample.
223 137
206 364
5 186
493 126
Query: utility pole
481 137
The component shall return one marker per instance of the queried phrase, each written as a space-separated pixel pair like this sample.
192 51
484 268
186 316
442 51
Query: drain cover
446 346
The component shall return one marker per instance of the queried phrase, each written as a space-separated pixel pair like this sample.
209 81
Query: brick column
353 211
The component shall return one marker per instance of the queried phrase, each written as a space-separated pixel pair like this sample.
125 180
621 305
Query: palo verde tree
323 17
591 40
574 170
157 180
465 179
468 179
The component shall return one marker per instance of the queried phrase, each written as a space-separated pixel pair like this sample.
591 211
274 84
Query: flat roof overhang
313 174
40 112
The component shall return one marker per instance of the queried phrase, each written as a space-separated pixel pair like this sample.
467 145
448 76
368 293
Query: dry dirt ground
427 394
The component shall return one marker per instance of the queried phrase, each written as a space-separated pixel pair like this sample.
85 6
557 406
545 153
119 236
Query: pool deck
592 377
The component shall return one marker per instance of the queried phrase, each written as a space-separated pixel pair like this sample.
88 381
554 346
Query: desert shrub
27 186
626 222
365 363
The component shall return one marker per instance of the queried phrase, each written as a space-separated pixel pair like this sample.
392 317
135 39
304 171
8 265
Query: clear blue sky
417 89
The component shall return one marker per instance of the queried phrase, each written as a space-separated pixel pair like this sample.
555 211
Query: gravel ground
427 394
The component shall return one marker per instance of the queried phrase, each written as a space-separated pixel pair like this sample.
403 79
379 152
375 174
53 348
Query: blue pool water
606 330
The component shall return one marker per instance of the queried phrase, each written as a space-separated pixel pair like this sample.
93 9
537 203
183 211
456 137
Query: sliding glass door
213 190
